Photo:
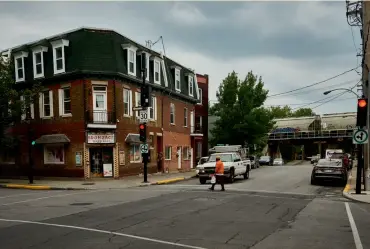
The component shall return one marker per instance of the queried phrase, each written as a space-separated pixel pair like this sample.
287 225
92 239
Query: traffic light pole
360 165
145 103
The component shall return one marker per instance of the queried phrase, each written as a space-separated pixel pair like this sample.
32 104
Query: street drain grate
88 183
81 204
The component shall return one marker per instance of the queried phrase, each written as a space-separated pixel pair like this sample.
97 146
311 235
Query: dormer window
19 66
38 61
191 85
131 58
177 79
59 60
157 71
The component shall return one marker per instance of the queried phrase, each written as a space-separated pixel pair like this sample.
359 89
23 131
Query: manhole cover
88 183
81 204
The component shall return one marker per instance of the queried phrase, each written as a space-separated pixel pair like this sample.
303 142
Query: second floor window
172 113
46 104
153 109
138 102
185 117
65 101
127 106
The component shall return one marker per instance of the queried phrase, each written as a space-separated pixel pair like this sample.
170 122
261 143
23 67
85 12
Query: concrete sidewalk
349 191
97 183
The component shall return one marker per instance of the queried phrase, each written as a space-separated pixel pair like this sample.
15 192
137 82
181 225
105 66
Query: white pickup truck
233 166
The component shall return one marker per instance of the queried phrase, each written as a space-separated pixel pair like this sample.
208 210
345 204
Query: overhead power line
317 83
308 103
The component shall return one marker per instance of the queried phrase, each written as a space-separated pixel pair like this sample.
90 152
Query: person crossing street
219 174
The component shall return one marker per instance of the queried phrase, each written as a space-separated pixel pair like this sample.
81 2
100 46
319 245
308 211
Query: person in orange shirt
219 172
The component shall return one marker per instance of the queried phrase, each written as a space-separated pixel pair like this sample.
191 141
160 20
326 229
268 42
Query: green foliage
287 112
243 119
11 106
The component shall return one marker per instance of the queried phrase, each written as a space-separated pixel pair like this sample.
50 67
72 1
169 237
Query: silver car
278 162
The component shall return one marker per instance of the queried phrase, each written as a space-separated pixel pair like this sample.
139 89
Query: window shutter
51 103
155 108
60 98
41 106
23 116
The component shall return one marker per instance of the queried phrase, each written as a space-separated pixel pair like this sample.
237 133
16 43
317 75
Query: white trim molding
20 55
133 49
59 44
38 50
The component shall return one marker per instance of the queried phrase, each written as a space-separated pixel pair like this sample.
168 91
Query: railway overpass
295 138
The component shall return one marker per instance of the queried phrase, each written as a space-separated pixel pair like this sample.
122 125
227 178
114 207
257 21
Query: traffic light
145 96
142 132
33 143
361 112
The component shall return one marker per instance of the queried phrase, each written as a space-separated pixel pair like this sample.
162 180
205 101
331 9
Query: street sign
360 136
137 108
143 116
144 148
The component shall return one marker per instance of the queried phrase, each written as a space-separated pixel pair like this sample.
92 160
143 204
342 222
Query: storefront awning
132 138
53 139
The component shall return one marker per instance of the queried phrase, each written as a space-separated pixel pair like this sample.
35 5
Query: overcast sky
289 44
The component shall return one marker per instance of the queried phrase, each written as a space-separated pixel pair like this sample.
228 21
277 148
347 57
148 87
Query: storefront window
167 153
54 154
135 154
186 153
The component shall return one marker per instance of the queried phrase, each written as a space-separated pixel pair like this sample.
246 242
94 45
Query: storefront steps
98 183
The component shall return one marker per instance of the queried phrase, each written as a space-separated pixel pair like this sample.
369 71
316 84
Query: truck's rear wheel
246 174
232 176
202 180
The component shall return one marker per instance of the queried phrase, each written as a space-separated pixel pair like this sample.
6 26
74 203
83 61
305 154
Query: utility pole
144 103
31 143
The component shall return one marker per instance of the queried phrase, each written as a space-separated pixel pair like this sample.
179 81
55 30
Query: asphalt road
276 208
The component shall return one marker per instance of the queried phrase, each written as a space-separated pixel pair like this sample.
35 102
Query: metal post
360 164
144 155
30 157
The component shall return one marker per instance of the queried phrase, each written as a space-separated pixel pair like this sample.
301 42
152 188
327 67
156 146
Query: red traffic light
141 127
362 103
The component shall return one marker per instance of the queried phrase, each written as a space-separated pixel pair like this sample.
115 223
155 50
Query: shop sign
100 138
78 158
122 157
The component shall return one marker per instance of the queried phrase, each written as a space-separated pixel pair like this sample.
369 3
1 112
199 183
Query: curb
46 187
346 193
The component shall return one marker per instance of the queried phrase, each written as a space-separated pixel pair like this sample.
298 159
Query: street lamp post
30 157
342 89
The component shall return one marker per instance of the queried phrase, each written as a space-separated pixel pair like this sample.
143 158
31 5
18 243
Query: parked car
254 162
278 162
329 169
265 160
315 159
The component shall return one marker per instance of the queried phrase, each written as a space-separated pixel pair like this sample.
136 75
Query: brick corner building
83 122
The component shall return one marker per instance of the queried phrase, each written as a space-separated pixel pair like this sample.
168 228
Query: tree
11 105
287 112
243 119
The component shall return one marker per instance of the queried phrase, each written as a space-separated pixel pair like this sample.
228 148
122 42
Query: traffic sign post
143 116
360 136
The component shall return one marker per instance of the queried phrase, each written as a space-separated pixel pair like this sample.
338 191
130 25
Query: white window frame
170 153
61 102
129 102
172 112
186 153
137 103
41 104
154 108
62 43
191 85
186 114
36 50
156 61
17 56
32 109
138 148
51 146
130 47
200 93
177 78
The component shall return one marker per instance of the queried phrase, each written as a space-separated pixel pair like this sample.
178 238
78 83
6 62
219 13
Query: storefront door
101 162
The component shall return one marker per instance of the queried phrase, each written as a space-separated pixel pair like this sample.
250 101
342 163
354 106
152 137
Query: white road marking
356 236
9 196
106 232
50 196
